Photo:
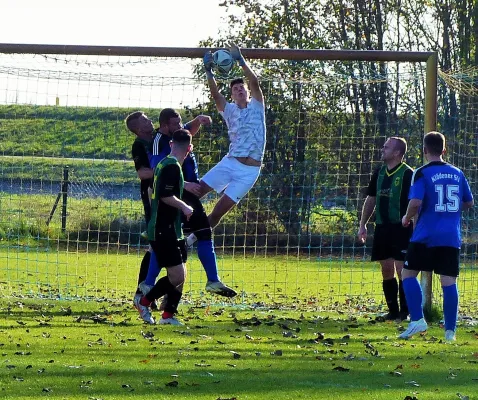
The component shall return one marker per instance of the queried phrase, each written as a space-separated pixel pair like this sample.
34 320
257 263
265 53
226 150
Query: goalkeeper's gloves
236 54
208 63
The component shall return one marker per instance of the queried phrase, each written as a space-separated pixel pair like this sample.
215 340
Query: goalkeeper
238 171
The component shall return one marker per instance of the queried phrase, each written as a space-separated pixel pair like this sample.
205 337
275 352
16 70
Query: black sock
162 287
390 290
403 300
143 270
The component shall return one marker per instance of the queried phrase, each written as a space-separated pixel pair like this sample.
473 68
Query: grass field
299 328
291 281
89 350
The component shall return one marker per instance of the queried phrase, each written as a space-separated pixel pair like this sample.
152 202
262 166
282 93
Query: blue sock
414 295
153 270
207 256
450 306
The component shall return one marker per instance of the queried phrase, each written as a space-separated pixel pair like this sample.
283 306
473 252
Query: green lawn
90 350
291 281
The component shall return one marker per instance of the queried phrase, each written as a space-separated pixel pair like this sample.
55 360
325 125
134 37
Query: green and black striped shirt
390 187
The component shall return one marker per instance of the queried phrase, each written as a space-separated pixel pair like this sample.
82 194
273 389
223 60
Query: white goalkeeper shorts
232 177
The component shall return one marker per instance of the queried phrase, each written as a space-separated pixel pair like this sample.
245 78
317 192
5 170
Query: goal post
301 198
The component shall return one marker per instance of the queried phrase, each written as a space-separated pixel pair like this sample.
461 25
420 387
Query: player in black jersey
142 127
387 194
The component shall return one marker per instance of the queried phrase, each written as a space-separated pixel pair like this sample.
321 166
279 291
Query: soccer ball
223 61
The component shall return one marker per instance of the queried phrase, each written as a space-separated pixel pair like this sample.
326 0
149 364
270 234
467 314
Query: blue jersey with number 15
442 188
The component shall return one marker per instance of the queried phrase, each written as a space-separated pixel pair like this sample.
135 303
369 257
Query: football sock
167 315
143 269
450 306
414 295
153 270
145 302
390 290
207 256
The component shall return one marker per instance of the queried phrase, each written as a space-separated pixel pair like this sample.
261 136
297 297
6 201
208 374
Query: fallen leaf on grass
341 369
128 387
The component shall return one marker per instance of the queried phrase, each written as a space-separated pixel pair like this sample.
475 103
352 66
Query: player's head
169 121
394 149
138 123
434 144
181 143
239 91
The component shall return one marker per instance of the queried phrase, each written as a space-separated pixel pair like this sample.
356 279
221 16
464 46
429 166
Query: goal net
71 215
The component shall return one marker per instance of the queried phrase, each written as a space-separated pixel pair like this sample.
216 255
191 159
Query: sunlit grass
77 350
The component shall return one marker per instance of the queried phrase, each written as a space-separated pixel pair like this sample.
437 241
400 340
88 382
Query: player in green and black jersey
387 194
165 230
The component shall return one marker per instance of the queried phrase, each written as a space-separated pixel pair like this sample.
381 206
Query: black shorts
169 250
390 241
198 221
442 260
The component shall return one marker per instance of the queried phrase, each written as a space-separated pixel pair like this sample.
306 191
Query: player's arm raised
253 82
195 124
219 99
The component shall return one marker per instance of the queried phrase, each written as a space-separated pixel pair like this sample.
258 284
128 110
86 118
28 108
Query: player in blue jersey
170 121
438 194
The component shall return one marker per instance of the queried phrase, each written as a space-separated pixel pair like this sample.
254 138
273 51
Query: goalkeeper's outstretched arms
253 82
219 99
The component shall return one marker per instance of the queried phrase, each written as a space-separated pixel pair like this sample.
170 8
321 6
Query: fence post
64 191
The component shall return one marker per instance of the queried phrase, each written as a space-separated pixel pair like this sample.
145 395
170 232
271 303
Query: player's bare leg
222 207
204 190
401 294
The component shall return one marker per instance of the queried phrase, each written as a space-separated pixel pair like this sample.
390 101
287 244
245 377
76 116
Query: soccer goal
291 242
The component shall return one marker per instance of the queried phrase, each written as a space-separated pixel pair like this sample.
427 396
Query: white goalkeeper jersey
247 129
